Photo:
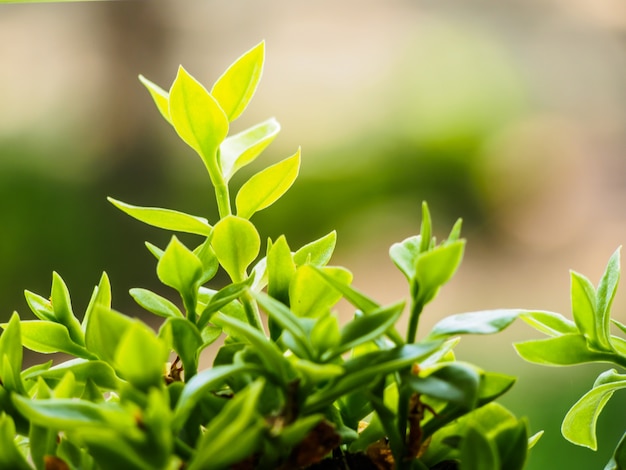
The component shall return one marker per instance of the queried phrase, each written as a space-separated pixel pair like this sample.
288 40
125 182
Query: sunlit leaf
267 186
165 218
48 337
235 88
155 303
160 97
562 350
311 295
552 324
236 243
62 306
11 355
180 269
318 252
243 148
477 323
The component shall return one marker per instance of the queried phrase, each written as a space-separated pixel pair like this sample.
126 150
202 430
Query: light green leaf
311 295
604 298
267 186
236 243
325 336
562 351
222 298
583 297
318 252
198 119
165 218
10 457
235 88
280 270
579 425
180 269
154 303
209 261
62 307
100 298
426 229
99 372
160 97
103 332
40 306
477 323
532 440
436 267
48 337
405 254
243 148
140 356
11 355
552 324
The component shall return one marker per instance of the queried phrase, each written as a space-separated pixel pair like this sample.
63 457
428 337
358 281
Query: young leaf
455 382
425 229
405 254
160 97
11 355
165 218
62 306
267 186
562 351
154 303
209 261
436 267
10 456
236 243
235 88
140 356
310 295
280 270
552 324
604 298
583 297
243 148
100 298
325 335
99 372
103 332
48 337
180 269
40 306
579 425
318 252
198 119
184 338
477 323
220 299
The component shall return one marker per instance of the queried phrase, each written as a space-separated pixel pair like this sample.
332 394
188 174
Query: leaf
583 297
140 356
604 298
10 457
275 364
220 299
425 229
552 324
48 337
325 336
455 382
160 97
240 422
561 351
532 440
165 218
405 254
100 298
62 307
180 269
366 327
267 186
198 119
199 385
99 372
235 88
280 270
243 148
11 356
236 243
492 386
184 338
40 306
209 261
70 413
511 440
318 252
154 303
618 460
478 323
310 295
579 424
477 452
436 267
103 332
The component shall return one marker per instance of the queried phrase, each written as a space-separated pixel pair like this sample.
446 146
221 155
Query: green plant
290 386
586 339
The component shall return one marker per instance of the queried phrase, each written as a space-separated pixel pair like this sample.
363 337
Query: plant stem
252 311
415 313
223 198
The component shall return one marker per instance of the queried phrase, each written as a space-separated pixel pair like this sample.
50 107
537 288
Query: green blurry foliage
289 385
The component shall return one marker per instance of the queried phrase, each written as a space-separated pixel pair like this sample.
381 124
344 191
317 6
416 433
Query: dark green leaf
455 382
184 338
618 460
10 456
477 452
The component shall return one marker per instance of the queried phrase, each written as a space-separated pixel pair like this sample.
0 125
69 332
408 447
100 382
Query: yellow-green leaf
236 243
267 186
159 95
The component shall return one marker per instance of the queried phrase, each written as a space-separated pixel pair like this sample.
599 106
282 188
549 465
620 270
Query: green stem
252 311
416 312
223 198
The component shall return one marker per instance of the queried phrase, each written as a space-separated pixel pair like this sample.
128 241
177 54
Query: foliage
289 384
586 339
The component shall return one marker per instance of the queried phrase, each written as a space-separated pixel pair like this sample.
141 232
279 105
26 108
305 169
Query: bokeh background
508 114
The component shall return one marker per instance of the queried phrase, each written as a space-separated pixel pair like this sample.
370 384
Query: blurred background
508 114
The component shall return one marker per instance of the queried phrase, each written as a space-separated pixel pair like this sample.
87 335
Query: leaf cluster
290 385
